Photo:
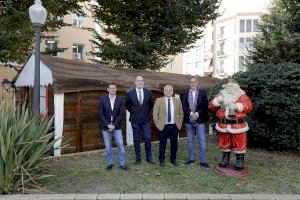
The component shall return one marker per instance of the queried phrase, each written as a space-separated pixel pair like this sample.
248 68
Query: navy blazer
139 113
106 113
201 108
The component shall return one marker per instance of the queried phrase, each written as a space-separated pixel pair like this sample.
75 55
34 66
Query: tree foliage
275 92
16 29
147 31
279 40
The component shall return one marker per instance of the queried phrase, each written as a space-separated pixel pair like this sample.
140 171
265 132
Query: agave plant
24 140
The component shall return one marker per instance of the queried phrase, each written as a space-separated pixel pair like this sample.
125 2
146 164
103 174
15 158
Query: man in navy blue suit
139 102
195 106
111 111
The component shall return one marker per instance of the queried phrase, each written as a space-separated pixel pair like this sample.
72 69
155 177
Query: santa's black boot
239 165
225 159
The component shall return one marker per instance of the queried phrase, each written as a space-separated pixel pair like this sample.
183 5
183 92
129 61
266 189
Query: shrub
275 91
22 143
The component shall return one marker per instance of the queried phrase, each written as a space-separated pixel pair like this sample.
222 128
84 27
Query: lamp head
6 84
37 13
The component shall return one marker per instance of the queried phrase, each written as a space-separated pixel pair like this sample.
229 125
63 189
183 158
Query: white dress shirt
112 101
137 94
172 111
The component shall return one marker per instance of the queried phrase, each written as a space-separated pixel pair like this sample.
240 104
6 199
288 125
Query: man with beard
231 106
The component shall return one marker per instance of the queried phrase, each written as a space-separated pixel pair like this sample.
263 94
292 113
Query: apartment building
223 49
75 38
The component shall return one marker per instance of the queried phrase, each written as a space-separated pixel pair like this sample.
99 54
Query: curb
158 196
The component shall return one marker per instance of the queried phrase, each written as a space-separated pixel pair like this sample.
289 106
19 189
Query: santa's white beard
231 97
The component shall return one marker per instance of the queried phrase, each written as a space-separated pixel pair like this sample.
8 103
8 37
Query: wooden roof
73 76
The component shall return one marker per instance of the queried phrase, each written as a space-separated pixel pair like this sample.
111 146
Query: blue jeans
199 130
146 132
107 136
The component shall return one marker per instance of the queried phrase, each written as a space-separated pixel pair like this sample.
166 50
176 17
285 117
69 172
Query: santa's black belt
232 121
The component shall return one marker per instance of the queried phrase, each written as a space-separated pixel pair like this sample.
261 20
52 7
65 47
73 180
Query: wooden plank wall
81 121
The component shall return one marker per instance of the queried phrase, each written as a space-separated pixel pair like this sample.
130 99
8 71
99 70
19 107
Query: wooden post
79 123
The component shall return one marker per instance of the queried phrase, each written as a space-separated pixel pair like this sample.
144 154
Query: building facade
75 38
223 49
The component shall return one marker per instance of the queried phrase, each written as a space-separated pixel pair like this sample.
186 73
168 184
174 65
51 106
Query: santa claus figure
231 106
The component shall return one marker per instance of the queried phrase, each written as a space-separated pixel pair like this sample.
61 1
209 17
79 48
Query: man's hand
233 106
194 116
111 127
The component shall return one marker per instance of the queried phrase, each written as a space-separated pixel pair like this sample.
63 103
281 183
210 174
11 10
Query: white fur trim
222 130
237 130
228 129
240 107
226 150
244 151
216 103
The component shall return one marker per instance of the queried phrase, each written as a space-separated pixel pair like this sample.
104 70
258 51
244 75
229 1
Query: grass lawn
270 172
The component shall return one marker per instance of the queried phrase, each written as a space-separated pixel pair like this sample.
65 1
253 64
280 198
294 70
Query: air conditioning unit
76 56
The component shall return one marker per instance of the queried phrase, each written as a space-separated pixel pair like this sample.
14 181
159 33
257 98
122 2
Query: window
222 32
248 43
241 63
171 64
242 44
255 28
51 47
242 25
79 21
245 43
221 50
249 25
78 52
220 68
188 68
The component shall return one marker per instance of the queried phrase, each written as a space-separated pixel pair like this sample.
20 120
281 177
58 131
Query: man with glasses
195 105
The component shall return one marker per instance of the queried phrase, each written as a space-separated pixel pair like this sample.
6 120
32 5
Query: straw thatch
73 76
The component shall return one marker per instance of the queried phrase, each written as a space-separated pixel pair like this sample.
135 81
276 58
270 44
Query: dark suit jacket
105 112
201 108
139 113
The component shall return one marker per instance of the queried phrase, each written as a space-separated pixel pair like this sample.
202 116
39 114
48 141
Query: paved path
167 196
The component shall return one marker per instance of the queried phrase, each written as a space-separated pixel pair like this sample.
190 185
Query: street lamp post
38 15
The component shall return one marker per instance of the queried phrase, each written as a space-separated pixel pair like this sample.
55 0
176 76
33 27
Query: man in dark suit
195 106
110 111
139 102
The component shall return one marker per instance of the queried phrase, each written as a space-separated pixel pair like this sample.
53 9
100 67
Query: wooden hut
70 91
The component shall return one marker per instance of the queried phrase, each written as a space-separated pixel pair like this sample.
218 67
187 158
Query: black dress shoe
189 162
150 161
162 163
137 161
174 163
109 167
205 165
125 167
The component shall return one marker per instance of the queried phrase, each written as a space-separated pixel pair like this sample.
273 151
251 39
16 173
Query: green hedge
275 91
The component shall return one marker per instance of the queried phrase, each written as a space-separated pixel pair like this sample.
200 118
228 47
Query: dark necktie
169 111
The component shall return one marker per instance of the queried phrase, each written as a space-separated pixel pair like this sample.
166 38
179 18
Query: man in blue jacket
139 102
195 106
111 111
